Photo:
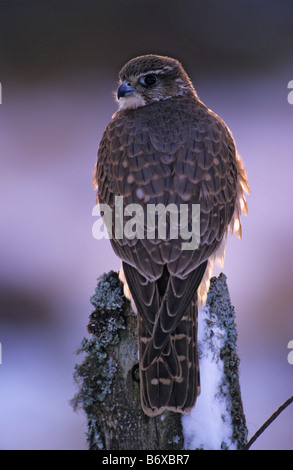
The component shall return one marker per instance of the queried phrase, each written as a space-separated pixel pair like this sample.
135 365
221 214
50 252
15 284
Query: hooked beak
125 89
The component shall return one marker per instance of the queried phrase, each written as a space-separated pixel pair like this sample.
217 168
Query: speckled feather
171 151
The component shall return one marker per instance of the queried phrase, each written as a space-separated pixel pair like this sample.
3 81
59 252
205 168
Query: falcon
164 146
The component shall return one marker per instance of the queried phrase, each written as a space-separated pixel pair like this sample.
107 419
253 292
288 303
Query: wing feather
175 151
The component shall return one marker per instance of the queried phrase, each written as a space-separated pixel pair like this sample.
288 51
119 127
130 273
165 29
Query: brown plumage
165 146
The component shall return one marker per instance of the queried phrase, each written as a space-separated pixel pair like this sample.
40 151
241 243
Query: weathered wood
108 378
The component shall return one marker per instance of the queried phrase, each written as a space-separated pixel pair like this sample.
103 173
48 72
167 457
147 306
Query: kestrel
164 146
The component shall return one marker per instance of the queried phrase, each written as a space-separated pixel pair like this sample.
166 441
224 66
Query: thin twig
268 422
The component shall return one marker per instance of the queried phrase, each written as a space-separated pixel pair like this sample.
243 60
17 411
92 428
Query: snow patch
209 424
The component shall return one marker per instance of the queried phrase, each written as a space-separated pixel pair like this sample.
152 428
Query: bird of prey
164 146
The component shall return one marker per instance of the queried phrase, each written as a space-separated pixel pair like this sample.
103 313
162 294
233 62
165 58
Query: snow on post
217 421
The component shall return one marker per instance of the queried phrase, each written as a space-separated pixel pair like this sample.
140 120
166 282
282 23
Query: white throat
131 102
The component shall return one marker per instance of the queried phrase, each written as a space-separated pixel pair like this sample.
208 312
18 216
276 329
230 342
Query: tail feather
167 329
160 389
176 300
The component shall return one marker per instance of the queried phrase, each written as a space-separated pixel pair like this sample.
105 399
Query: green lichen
95 374
108 379
109 303
108 293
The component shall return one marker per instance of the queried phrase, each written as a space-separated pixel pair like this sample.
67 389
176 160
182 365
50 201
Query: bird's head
150 78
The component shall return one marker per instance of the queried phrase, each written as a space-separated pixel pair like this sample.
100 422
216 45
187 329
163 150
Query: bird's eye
148 80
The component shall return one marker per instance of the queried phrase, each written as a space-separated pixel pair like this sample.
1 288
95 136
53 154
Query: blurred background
58 69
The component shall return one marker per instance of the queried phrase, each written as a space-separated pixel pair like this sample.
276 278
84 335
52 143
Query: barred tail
162 385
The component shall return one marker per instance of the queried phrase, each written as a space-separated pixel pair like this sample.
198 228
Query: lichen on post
108 379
